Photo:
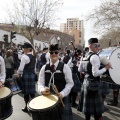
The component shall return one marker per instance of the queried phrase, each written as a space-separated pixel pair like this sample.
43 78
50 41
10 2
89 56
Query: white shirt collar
56 64
29 53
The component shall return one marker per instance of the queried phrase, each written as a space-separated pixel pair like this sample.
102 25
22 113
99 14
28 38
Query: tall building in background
62 27
74 27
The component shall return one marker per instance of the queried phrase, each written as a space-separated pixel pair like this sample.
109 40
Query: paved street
18 103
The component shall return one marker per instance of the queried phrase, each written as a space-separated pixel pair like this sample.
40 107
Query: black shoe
105 109
25 109
113 103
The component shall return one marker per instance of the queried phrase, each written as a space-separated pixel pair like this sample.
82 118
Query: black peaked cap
92 40
27 45
53 47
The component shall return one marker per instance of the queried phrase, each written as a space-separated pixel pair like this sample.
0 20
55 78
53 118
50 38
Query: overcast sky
70 9
79 9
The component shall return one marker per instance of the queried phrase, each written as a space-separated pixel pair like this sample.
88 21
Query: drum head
115 61
42 102
4 92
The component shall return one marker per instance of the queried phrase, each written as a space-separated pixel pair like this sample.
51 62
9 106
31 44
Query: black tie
53 68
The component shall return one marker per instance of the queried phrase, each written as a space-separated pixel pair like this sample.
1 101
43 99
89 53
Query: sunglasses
54 52
96 45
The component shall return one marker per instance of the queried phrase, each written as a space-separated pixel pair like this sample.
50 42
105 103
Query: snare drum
6 108
45 108
113 55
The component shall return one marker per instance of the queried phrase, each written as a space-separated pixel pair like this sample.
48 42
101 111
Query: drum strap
88 66
88 55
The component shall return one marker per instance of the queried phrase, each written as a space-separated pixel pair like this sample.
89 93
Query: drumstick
56 90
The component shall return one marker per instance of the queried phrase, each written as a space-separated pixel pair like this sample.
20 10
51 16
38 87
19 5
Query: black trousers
9 72
96 117
73 96
28 97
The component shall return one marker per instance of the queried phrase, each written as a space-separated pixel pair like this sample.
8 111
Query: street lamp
12 36
69 45
59 42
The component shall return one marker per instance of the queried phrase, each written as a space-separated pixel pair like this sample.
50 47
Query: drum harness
53 85
90 80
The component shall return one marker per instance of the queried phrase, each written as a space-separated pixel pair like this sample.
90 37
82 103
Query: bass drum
113 55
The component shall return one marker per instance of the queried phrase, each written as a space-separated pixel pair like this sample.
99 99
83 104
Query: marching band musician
85 51
67 56
74 62
62 80
45 56
27 70
91 92
2 71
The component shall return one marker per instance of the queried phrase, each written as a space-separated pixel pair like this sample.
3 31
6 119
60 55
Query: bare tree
112 37
33 16
106 17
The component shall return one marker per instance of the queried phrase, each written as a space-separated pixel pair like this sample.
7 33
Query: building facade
18 40
39 41
75 28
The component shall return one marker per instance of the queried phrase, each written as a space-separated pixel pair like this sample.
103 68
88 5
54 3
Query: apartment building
74 27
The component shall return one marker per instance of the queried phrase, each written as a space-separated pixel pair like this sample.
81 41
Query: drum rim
10 95
112 52
42 110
